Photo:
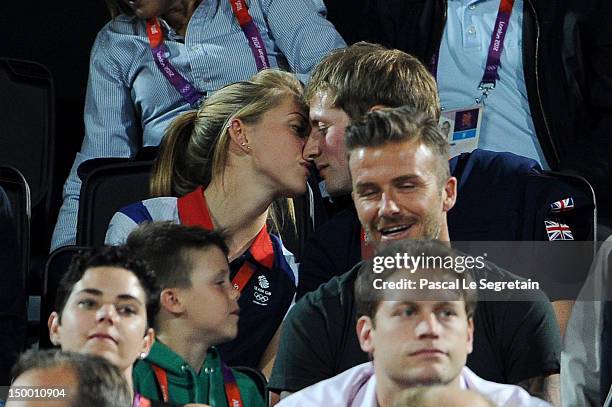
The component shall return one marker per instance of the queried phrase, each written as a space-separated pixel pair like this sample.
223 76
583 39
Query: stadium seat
108 185
14 248
27 126
17 191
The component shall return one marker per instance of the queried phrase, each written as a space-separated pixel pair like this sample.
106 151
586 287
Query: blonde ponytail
169 168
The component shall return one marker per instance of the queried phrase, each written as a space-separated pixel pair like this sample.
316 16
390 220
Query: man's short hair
398 125
368 298
166 245
99 382
364 75
109 256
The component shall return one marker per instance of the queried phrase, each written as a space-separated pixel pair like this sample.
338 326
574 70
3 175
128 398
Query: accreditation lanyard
491 71
251 32
160 56
193 211
183 86
232 392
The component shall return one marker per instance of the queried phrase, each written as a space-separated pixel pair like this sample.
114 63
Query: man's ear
236 130
54 328
470 338
449 196
170 300
147 342
365 333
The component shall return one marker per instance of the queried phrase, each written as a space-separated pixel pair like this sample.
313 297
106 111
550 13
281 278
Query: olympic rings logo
260 297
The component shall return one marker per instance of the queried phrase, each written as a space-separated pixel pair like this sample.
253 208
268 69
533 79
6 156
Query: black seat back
108 185
27 125
17 191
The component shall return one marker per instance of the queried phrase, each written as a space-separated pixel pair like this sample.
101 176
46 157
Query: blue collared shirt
507 124
127 95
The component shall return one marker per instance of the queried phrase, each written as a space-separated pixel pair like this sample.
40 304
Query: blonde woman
228 162
157 58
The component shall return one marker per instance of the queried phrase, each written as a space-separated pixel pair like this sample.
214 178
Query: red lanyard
193 211
232 392
162 381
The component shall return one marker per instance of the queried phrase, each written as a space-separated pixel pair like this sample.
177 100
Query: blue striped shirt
129 98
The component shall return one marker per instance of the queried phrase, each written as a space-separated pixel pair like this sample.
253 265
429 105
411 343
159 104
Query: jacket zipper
537 74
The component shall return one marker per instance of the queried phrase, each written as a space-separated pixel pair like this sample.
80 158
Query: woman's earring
143 355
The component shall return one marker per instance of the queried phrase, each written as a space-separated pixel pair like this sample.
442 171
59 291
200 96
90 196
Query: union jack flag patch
558 231
563 205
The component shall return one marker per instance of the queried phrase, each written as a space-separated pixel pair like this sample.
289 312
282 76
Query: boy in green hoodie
198 309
